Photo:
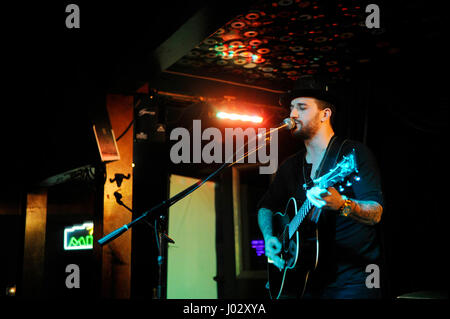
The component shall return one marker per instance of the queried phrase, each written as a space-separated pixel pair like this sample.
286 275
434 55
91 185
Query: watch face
346 209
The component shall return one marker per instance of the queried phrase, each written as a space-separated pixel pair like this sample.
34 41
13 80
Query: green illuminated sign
79 237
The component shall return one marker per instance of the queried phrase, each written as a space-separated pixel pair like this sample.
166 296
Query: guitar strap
329 160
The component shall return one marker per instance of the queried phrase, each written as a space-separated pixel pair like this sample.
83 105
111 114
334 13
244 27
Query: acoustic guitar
299 236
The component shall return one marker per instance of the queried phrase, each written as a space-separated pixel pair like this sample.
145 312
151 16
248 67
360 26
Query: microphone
289 123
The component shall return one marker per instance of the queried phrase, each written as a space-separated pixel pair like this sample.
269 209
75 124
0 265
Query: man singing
347 232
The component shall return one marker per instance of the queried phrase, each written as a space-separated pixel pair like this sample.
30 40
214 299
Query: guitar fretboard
298 218
342 170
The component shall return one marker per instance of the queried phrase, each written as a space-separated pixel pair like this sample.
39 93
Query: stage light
239 117
11 290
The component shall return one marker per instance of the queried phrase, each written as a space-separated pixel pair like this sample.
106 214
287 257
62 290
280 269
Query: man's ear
326 114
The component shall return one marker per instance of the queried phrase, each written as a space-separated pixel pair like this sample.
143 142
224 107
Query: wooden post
34 244
116 262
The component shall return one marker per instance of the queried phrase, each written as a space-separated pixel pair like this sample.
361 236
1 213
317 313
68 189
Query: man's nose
294 113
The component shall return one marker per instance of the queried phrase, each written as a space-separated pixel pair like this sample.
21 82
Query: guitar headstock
343 169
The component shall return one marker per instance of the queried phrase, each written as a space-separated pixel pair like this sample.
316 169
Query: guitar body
300 254
298 233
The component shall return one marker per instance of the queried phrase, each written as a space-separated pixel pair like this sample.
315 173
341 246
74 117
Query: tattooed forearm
265 221
366 212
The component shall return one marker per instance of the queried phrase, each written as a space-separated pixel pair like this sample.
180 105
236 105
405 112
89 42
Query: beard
307 131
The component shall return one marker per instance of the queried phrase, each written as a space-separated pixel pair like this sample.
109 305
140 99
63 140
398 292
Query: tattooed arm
366 212
272 244
265 222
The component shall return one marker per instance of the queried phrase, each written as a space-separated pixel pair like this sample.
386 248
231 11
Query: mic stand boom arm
169 202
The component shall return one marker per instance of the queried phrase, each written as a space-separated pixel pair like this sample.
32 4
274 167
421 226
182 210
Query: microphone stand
119 201
169 202
160 235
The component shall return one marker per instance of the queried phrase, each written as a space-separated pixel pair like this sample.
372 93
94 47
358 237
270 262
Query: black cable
126 130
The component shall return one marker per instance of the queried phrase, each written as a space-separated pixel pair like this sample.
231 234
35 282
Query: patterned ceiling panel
272 43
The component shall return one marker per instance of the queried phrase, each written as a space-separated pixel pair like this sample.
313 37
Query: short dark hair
322 105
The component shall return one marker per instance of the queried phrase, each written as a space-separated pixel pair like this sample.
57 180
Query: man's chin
301 134
297 133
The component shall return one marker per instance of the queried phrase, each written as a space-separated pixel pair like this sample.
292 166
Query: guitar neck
343 169
298 218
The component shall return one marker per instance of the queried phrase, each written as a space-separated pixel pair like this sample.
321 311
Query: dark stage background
57 80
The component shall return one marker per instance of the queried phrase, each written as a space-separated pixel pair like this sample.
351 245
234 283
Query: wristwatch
346 208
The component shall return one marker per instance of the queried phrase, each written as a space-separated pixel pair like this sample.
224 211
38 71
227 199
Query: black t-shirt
346 247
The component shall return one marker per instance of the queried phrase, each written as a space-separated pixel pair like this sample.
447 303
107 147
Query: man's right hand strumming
272 244
273 248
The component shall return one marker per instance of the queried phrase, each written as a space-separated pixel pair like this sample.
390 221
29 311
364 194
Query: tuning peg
341 189
348 184
357 178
